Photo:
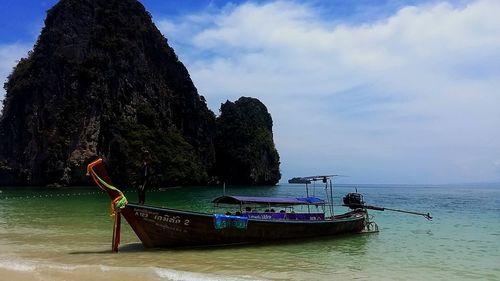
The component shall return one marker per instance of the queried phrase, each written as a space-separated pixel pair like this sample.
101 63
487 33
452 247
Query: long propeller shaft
425 215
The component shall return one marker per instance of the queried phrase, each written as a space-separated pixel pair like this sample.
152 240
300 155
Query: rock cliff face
102 81
246 154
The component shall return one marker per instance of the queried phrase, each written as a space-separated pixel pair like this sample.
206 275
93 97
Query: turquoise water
65 234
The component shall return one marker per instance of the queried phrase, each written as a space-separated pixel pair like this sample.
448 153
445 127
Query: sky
389 91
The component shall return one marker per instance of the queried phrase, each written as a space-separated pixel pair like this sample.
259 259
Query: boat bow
119 204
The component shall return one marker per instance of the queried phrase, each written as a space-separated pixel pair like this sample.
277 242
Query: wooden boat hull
160 227
163 227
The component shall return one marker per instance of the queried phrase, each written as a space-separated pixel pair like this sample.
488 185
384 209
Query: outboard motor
354 200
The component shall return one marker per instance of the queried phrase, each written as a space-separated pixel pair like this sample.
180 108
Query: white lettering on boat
161 219
168 219
144 213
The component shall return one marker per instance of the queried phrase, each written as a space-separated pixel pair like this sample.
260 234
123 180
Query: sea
65 234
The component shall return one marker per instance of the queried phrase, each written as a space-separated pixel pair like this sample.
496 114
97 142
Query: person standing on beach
144 179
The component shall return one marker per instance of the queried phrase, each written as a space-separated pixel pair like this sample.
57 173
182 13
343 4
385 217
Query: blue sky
382 91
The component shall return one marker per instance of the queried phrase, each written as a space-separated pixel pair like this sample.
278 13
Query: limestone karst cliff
245 149
103 81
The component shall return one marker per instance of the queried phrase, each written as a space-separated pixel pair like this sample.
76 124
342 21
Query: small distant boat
299 180
253 220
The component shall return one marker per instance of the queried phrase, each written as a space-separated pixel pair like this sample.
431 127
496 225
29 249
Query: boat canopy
226 199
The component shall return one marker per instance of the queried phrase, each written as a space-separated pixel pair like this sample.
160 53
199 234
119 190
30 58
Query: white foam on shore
17 266
24 266
161 273
105 268
177 275
63 267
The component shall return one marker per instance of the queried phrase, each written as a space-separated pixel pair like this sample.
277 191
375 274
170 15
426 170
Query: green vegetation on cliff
173 160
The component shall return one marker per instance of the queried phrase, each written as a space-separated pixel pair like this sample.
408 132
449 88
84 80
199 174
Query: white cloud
10 54
411 98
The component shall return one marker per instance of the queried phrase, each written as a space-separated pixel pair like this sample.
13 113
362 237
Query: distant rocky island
102 81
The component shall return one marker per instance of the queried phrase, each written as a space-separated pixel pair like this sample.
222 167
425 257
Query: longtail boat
165 227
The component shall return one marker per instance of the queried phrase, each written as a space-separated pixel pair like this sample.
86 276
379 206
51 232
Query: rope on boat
370 225
118 204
